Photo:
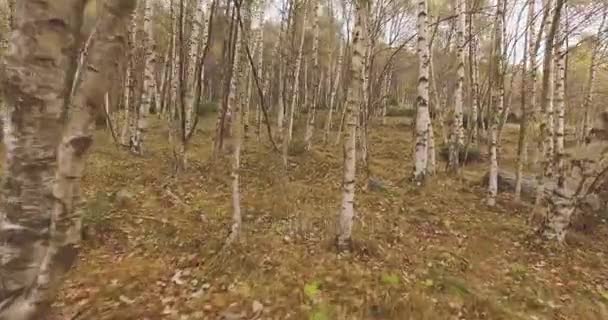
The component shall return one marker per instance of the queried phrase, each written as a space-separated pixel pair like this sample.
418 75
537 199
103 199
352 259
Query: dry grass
432 253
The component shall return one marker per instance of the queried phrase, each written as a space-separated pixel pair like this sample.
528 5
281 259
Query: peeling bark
40 227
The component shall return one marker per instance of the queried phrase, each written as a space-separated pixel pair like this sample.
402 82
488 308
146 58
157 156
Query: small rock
126 300
124 197
206 286
257 307
177 278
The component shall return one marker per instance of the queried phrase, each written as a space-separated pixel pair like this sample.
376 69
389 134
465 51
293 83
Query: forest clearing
432 253
304 159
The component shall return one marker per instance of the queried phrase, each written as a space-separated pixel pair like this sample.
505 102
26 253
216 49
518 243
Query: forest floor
153 246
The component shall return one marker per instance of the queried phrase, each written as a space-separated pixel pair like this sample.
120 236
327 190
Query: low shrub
473 154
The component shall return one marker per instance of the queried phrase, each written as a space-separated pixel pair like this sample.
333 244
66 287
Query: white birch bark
236 118
149 83
422 105
474 65
40 224
353 102
260 67
497 101
531 115
316 79
296 79
194 45
546 142
560 109
459 95
591 80
334 91
431 164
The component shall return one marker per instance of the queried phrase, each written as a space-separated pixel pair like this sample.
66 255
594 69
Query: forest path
153 250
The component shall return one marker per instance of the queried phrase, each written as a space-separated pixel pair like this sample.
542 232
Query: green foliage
390 279
321 312
312 290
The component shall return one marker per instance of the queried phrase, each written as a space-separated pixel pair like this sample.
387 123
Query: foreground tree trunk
423 122
353 103
546 124
497 93
40 224
560 205
457 134
316 80
589 95
296 74
149 85
528 105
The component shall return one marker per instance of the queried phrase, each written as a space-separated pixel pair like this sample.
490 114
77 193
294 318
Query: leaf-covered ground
153 246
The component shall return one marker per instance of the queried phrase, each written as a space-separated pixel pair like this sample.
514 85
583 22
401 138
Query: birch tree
40 222
149 84
497 93
317 78
457 134
545 139
353 102
474 76
528 98
591 80
423 122
334 92
296 73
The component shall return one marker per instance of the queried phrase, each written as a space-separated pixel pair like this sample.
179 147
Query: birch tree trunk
386 93
197 37
528 105
129 90
545 140
560 205
260 67
40 223
149 85
316 80
560 108
457 140
334 91
497 92
353 102
236 118
589 95
423 122
296 74
280 77
474 76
